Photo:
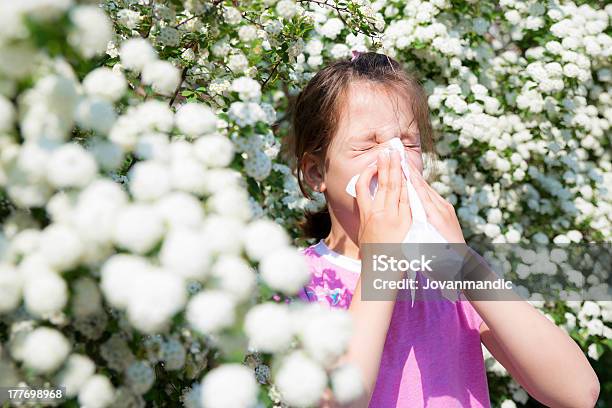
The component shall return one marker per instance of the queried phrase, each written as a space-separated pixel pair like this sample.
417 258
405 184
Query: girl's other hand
440 213
386 218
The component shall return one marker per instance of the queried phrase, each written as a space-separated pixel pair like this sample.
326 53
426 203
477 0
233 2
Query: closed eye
412 146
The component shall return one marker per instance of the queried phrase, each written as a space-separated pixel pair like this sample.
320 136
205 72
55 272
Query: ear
312 169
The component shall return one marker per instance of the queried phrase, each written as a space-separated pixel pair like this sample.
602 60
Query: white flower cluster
301 377
138 55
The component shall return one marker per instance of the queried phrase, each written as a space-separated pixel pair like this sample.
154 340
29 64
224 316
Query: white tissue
421 231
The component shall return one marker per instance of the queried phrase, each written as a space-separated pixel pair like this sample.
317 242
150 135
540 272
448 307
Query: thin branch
271 74
185 21
333 6
178 88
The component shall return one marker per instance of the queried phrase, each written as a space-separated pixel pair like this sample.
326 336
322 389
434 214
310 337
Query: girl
426 353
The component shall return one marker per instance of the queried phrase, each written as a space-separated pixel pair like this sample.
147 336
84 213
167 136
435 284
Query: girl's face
371 116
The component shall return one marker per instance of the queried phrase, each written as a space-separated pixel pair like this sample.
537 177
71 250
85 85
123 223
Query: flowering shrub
149 216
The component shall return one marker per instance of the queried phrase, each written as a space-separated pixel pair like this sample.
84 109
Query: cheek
338 176
415 158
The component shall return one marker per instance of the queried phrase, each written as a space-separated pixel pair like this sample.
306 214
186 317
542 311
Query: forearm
542 357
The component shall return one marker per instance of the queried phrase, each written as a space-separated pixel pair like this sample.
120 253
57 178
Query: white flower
97 392
314 47
593 351
232 15
232 202
263 237
188 175
246 114
457 103
247 33
247 88
315 60
590 308
109 155
45 293
184 251
155 300
531 100
324 333
300 381
258 165
78 370
571 70
340 51
71 166
269 327
128 18
285 269
234 275
216 179
210 311
180 209
149 180
492 230
138 227
136 53
119 274
574 236
92 30
214 150
332 28
224 234
162 76
229 386
10 288
97 114
286 8
45 349
195 119
347 383
153 146
238 63
61 246
508 403
105 83
96 209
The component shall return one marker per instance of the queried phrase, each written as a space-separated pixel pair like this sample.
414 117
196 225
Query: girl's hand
387 218
440 213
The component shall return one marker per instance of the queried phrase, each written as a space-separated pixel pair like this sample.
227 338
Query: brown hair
316 114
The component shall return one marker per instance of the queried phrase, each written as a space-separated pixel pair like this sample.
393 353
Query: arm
387 218
539 355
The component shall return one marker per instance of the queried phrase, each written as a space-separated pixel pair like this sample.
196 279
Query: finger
404 202
362 189
394 186
422 192
438 201
383 181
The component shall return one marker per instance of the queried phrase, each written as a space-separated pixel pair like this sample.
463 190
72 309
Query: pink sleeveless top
432 356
